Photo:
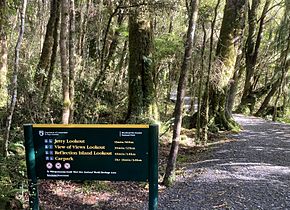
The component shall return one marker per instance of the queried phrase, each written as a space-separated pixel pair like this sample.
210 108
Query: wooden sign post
92 152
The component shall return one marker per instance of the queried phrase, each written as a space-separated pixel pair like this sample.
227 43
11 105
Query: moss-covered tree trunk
44 61
226 54
234 84
252 50
119 70
64 60
108 50
141 72
201 75
204 111
283 66
169 176
72 59
3 56
283 63
261 111
251 53
53 57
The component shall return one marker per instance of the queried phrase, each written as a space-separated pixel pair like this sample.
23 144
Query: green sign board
92 152
81 152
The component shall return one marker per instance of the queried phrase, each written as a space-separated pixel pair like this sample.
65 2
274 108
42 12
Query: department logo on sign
41 133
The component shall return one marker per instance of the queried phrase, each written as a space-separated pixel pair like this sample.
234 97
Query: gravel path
252 172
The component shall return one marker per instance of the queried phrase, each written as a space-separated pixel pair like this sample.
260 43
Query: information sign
92 152
82 152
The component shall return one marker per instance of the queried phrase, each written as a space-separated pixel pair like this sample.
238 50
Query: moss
66 103
187 121
168 182
231 30
183 139
3 97
141 120
142 102
213 128
243 109
183 158
226 123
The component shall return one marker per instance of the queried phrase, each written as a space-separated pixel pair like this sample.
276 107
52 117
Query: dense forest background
179 63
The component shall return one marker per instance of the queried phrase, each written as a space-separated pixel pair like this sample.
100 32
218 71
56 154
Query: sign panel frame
92 152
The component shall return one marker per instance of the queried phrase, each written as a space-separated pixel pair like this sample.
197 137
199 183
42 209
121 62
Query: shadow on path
252 172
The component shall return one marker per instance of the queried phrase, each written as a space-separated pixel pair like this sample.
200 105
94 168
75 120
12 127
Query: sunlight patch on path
250 172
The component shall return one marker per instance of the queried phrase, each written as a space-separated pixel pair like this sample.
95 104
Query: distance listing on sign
93 152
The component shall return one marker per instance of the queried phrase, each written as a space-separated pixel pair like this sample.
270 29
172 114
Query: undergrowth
12 178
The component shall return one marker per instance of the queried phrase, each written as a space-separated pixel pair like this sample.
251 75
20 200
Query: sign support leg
31 173
33 196
153 167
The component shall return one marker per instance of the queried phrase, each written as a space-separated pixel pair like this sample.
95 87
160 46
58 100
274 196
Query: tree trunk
14 83
44 61
233 86
169 66
141 72
201 75
3 56
284 66
72 59
169 177
252 50
84 16
234 82
250 53
266 101
205 102
120 71
53 56
64 60
82 39
226 54
274 116
106 58
113 46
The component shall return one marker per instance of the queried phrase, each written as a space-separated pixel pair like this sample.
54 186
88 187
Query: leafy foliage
13 176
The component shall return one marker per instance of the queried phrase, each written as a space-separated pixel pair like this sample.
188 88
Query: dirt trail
253 172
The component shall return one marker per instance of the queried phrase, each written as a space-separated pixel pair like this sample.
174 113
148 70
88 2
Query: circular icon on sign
49 165
67 166
58 165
